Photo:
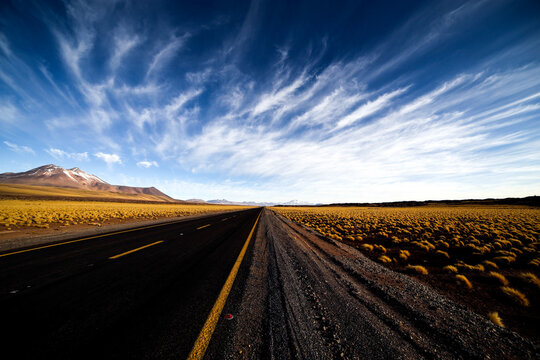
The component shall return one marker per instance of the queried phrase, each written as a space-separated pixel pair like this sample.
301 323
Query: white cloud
147 164
110 159
369 108
123 44
4 45
61 154
8 112
431 96
166 53
178 102
269 101
21 149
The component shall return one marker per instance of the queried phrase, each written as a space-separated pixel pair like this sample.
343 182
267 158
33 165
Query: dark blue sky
267 100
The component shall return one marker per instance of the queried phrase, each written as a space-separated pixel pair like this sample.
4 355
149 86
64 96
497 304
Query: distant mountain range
254 203
75 178
56 176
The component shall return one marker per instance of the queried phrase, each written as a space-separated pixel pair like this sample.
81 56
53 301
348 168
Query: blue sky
320 101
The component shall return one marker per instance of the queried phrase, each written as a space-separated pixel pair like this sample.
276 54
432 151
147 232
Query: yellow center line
202 227
137 249
201 344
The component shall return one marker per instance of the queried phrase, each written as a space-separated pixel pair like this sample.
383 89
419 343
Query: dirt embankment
311 298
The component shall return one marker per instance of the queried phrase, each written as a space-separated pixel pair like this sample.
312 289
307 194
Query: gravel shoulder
308 297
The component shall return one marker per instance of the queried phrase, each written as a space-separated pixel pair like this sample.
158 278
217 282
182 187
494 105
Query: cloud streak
21 149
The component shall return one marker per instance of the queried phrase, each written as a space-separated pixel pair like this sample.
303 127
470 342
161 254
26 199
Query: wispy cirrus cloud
61 154
166 53
21 149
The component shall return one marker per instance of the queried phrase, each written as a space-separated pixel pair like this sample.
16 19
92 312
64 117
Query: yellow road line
201 344
89 238
137 249
202 227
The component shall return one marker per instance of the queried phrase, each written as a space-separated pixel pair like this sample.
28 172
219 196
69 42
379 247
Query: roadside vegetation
48 213
485 257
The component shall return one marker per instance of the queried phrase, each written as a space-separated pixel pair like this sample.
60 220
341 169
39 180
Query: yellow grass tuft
495 318
490 264
507 260
535 262
384 259
404 254
443 254
515 295
462 279
478 267
419 269
450 268
531 278
499 277
367 247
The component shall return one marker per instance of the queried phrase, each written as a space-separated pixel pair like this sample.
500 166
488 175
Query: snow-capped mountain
53 175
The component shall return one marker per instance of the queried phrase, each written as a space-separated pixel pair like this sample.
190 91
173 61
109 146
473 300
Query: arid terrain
484 257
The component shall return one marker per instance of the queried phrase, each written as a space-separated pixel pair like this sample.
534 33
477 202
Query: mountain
200 201
254 203
56 176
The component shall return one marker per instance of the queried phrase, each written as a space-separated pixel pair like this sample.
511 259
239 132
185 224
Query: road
148 293
134 294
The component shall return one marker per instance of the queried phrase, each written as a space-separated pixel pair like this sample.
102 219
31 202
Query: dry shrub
535 262
419 269
531 278
499 277
515 295
443 254
450 268
478 267
495 318
491 264
404 254
462 279
507 260
367 247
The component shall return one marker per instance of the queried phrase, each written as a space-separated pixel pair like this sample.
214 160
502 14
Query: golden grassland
50 191
44 213
491 250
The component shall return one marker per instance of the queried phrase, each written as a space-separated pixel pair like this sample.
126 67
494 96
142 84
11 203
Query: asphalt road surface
148 293
135 294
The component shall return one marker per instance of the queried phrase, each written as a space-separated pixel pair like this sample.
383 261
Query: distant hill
525 201
254 203
198 201
75 178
